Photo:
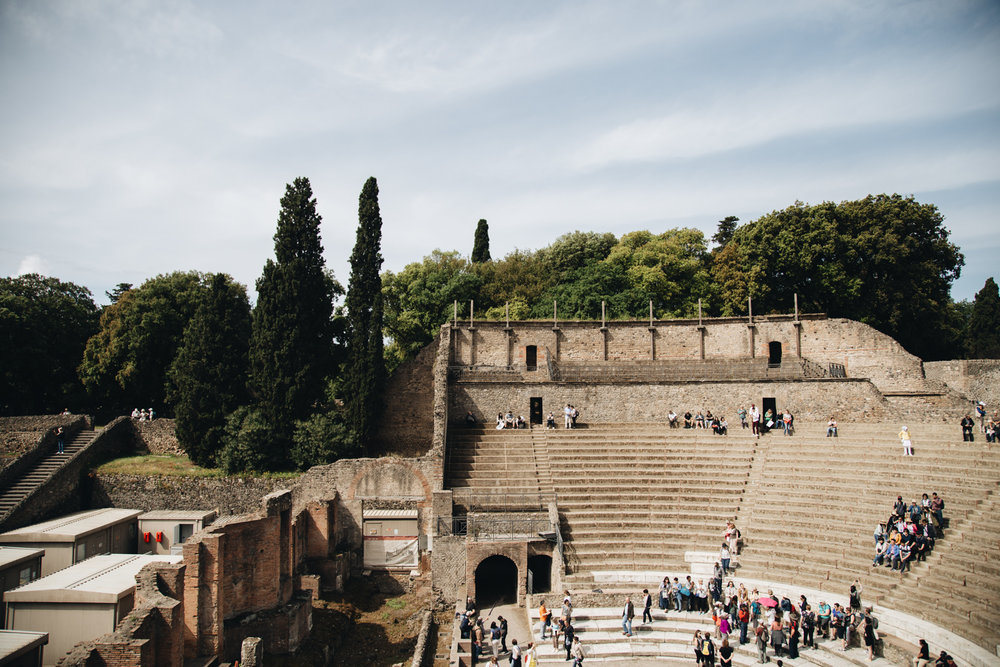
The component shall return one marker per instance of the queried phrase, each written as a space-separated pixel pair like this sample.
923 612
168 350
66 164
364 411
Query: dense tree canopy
420 298
208 378
984 324
366 361
125 363
44 326
291 344
884 260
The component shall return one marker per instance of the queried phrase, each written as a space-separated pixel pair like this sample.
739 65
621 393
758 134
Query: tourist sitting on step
709 417
831 428
991 431
470 419
508 419
880 549
699 420
521 423
672 419
687 419
550 421
499 420
768 421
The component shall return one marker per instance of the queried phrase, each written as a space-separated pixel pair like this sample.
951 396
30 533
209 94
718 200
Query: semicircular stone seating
636 500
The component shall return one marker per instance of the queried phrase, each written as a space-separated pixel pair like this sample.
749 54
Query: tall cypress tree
366 365
984 326
208 378
291 344
481 243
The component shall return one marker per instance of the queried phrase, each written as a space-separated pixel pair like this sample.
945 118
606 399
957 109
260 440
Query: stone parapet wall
862 350
20 435
226 495
813 400
158 436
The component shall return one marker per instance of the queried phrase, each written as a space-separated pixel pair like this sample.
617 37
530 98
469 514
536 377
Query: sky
140 137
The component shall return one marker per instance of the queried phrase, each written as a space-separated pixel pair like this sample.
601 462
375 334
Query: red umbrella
767 602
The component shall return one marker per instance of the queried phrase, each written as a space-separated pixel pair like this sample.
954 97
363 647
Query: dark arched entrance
496 582
539 574
774 353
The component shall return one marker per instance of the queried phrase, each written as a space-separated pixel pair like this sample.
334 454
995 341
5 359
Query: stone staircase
12 496
505 468
667 641
816 502
637 496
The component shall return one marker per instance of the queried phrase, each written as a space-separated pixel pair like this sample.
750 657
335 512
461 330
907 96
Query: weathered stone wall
59 493
157 436
18 435
975 379
448 565
389 482
865 352
226 495
816 400
407 425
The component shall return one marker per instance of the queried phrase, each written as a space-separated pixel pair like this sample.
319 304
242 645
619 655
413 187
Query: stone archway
496 581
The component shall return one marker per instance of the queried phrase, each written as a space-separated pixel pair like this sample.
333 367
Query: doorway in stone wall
531 357
536 410
774 354
496 582
539 574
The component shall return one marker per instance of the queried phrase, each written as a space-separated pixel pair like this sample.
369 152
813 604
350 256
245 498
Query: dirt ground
374 622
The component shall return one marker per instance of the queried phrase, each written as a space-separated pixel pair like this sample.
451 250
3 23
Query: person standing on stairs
628 613
647 606
905 438
60 440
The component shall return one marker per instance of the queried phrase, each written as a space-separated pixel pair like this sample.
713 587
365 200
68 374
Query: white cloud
33 264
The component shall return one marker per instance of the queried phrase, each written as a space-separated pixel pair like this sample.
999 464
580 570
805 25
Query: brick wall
151 635
407 423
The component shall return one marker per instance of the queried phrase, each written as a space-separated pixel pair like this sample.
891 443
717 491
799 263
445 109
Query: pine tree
291 343
208 378
366 365
984 326
481 244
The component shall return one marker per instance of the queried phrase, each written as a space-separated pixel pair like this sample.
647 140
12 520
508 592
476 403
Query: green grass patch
395 603
172 465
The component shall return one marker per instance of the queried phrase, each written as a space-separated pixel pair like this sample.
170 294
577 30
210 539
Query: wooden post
472 309
650 313
796 295
456 313
506 310
603 322
555 315
750 308
699 312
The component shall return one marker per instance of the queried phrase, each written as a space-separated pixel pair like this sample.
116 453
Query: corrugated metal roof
390 514
13 555
101 579
17 642
70 527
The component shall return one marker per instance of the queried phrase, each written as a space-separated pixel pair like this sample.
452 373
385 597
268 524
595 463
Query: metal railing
495 529
838 371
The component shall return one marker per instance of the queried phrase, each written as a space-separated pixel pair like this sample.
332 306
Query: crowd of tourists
909 533
508 420
143 415
491 643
